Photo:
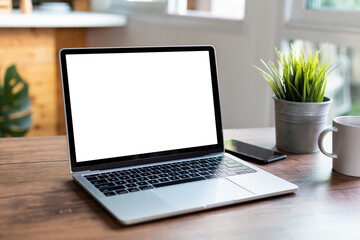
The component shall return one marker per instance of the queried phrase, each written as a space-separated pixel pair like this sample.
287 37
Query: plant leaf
15 115
300 76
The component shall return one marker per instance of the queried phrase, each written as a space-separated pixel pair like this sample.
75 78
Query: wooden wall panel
31 50
35 54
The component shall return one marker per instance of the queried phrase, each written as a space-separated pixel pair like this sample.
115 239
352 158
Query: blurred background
242 31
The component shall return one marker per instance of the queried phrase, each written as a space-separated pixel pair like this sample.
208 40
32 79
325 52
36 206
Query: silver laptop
145 136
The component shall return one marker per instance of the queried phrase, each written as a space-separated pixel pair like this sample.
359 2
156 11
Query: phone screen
252 152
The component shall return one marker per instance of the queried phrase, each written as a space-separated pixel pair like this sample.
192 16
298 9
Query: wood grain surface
35 52
39 200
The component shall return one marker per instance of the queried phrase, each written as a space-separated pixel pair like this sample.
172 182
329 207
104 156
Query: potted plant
15 115
301 108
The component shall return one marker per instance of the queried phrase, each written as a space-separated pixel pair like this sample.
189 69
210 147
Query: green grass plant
301 78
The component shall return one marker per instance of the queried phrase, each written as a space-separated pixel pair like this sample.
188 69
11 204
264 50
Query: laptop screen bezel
138 158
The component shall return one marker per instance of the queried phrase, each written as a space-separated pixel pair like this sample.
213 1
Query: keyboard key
124 177
166 166
94 175
144 174
121 191
202 169
146 187
163 179
98 182
212 168
141 179
108 194
112 179
175 169
133 190
142 183
154 181
174 178
185 168
184 176
135 176
153 177
194 175
120 182
131 181
105 185
113 188
91 178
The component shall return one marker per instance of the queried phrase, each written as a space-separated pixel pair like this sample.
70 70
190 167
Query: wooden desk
39 200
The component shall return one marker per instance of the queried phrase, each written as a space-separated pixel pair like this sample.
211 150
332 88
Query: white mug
346 145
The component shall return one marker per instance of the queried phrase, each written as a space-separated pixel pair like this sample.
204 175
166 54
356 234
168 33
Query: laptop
145 136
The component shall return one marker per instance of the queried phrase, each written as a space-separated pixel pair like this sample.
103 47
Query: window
329 14
230 9
340 5
336 23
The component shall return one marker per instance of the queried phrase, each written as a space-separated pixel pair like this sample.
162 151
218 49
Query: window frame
158 13
201 14
296 14
133 7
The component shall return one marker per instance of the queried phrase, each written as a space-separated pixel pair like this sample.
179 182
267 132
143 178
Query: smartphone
251 152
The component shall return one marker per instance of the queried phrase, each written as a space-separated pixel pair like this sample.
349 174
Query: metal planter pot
298 125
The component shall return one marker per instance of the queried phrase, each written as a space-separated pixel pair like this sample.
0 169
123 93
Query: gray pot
298 125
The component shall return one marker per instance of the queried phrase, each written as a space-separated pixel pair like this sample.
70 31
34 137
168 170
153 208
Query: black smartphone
251 152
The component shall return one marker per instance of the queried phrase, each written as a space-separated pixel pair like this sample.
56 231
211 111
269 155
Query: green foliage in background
355 109
302 78
15 115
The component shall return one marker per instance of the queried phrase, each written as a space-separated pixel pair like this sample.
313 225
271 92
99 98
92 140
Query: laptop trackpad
202 194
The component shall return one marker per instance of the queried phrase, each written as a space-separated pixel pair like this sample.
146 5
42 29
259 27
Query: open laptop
145 136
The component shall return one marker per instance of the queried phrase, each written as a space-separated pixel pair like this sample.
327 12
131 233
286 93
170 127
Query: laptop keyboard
144 178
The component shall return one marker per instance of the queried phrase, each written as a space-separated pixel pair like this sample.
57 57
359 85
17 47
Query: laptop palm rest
202 194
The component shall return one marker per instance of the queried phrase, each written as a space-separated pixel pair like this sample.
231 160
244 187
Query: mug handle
320 142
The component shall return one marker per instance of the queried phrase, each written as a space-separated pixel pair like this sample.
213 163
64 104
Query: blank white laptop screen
133 103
